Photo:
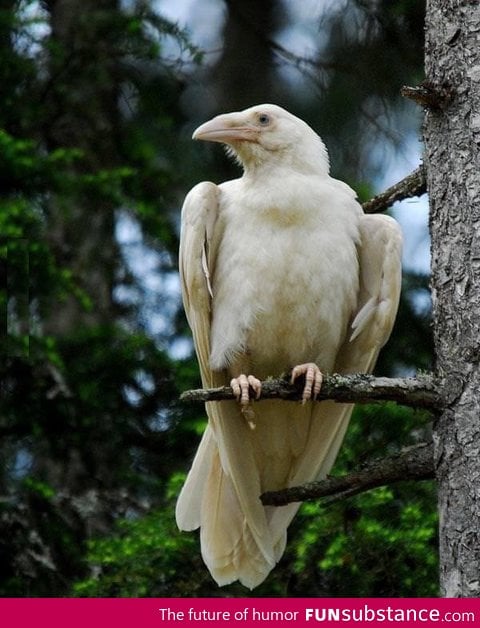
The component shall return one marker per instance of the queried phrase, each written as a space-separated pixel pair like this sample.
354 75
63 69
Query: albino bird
279 268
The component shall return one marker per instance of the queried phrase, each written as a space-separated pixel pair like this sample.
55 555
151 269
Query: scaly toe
313 380
256 385
241 387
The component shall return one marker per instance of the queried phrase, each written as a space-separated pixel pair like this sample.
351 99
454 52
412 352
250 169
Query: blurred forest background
99 100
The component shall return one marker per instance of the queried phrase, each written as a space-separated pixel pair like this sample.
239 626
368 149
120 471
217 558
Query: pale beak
226 128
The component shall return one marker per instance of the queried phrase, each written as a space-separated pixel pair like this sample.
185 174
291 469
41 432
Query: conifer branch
420 392
412 185
412 463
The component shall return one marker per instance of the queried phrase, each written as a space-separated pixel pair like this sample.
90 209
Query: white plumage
280 268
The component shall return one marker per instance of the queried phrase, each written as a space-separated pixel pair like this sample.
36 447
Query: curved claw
241 387
313 380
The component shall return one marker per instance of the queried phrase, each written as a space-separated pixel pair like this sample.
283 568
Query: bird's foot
241 389
313 379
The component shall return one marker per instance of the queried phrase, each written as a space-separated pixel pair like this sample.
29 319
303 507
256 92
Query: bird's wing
379 252
196 259
221 491
197 254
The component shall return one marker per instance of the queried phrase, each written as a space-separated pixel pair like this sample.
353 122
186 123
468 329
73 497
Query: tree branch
420 392
412 463
412 185
429 95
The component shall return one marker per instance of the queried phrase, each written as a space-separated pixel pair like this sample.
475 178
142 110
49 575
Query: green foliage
33 274
149 557
25 168
39 488
379 543
146 557
87 397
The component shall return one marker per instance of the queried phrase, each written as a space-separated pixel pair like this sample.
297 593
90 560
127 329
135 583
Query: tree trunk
244 75
452 136
82 113
82 100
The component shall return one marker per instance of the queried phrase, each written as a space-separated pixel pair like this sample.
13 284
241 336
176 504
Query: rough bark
412 185
452 137
419 392
412 463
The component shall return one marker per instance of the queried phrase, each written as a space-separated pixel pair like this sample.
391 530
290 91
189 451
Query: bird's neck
257 167
268 173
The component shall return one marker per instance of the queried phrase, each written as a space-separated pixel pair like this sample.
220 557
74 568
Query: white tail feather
241 539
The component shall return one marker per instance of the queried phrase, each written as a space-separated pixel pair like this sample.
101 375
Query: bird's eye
264 119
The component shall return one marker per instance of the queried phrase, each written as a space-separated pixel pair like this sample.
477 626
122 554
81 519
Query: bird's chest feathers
286 283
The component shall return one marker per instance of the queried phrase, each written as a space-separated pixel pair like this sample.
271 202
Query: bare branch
412 185
429 96
420 392
412 463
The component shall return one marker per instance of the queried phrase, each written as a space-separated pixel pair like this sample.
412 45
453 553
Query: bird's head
265 136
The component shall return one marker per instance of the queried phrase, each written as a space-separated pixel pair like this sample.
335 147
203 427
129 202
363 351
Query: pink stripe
238 612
